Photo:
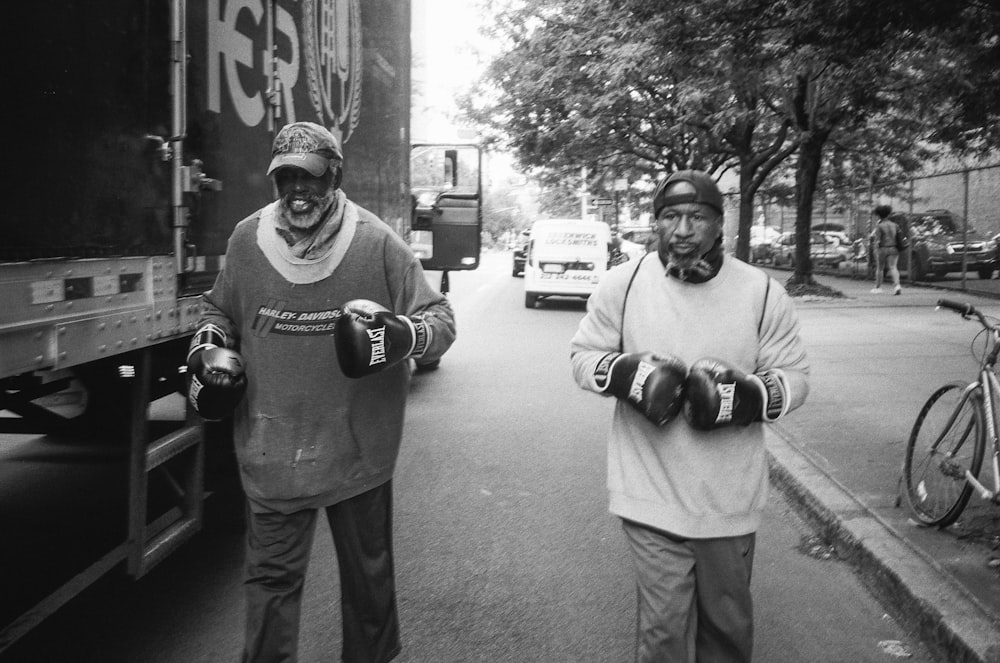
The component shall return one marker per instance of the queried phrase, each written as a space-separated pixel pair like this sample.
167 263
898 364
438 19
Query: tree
720 55
849 70
722 84
953 48
501 212
623 87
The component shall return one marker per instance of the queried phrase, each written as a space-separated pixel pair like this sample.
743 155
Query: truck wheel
530 299
919 270
985 273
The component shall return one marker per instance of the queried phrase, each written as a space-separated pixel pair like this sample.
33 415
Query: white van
565 257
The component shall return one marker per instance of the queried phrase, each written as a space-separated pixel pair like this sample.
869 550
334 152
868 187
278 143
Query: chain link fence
971 196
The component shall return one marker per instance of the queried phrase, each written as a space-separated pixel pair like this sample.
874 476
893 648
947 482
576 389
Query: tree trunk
747 191
755 166
806 176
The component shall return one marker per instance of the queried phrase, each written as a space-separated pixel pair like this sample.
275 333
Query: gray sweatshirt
306 436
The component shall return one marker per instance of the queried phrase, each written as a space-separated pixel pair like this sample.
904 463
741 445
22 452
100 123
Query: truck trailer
139 135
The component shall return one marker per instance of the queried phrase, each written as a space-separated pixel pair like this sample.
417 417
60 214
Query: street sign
621 184
603 201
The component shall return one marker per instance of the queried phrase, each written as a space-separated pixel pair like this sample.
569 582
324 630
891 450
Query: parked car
519 250
824 249
642 235
762 240
937 245
623 250
838 230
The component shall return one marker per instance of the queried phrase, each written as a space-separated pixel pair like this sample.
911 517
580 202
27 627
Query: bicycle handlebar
966 310
958 307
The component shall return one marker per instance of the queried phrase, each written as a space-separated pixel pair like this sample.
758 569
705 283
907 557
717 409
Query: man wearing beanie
701 351
323 303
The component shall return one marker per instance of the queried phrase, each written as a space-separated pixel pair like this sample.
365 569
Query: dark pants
694 600
278 548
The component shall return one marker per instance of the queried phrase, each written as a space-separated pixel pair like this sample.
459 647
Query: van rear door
566 258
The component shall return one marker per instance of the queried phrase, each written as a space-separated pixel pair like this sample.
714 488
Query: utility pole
621 184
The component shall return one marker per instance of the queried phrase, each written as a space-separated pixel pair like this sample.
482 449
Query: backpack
902 241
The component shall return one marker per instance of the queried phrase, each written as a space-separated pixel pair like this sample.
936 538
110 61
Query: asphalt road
504 547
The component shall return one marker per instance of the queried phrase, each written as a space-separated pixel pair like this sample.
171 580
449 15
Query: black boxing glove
370 338
652 384
216 375
719 395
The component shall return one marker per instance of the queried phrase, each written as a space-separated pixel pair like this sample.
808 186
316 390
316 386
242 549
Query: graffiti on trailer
324 54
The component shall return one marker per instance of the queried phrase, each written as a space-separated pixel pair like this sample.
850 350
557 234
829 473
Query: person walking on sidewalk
303 297
884 242
688 329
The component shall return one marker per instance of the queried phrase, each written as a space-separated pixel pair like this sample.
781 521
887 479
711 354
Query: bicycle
945 451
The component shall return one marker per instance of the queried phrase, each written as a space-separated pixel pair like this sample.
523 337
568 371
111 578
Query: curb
918 592
941 286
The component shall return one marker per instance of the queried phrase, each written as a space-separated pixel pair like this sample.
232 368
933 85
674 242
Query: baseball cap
304 145
692 186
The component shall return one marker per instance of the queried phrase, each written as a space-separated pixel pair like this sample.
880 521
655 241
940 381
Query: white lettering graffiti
228 47
287 71
321 44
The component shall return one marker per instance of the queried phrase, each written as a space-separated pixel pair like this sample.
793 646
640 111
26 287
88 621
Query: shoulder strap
635 271
763 309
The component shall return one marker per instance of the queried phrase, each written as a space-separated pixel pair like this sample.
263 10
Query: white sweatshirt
695 484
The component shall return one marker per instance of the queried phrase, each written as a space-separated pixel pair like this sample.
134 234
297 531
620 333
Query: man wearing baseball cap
305 145
701 351
323 302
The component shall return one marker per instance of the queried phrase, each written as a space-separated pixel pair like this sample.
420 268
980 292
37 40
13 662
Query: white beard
309 220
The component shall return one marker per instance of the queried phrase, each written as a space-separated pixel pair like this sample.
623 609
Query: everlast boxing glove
719 394
370 338
216 375
652 384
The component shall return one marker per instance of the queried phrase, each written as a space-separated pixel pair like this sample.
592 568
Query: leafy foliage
857 91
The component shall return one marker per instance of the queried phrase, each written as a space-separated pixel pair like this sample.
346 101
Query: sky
445 42
449 54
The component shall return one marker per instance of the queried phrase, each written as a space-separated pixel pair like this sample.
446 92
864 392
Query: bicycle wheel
948 438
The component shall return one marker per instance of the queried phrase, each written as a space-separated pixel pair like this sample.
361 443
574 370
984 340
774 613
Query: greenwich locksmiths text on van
566 258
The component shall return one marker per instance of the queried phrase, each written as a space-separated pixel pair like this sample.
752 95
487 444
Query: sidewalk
875 359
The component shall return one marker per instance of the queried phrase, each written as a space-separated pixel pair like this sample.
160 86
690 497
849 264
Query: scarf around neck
318 242
704 269
326 248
